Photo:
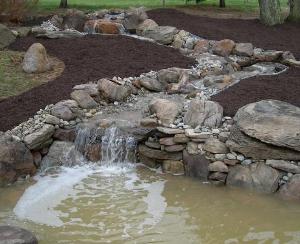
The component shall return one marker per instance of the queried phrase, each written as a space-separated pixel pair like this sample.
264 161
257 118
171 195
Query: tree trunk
63 4
222 3
294 10
270 12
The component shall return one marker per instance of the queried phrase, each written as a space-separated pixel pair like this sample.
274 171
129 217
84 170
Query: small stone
246 162
220 157
230 156
240 157
181 138
231 162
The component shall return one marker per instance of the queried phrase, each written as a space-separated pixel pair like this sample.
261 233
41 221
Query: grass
241 5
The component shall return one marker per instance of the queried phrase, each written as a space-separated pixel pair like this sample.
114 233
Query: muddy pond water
128 203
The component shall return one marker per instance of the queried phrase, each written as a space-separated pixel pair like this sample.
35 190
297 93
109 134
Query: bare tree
63 4
294 10
222 4
270 12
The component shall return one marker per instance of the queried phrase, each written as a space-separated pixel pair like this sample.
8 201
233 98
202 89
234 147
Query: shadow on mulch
86 59
285 87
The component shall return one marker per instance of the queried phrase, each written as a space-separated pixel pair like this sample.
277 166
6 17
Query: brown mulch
86 59
285 87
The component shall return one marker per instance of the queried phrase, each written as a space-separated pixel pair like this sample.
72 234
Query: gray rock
15 160
50 119
173 167
218 176
161 34
158 154
165 110
154 145
133 18
218 166
213 145
170 131
36 59
202 136
6 36
255 149
284 166
151 84
258 177
16 235
145 25
181 138
175 148
291 190
111 91
271 121
196 165
203 113
83 99
37 139
170 75
90 88
244 49
74 19
65 110
149 162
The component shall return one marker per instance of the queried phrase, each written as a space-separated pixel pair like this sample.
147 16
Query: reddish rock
223 47
201 46
65 135
102 26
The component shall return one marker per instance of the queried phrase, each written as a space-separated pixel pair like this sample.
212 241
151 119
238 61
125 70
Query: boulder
258 177
145 25
74 19
111 91
36 59
170 75
244 49
66 110
6 37
90 88
267 55
16 235
218 176
165 110
253 148
218 166
161 34
271 121
291 190
213 145
39 138
201 46
149 162
15 160
50 119
173 167
196 165
83 99
151 84
102 26
65 134
158 154
223 48
203 113
284 166
133 18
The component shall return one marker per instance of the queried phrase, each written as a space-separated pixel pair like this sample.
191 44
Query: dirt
86 59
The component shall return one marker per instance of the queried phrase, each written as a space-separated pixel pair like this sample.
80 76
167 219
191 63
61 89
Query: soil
285 87
86 59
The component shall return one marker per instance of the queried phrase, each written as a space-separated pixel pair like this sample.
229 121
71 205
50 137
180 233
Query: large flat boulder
111 91
133 18
158 154
161 34
271 121
6 36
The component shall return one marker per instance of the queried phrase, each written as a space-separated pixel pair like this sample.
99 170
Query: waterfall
112 145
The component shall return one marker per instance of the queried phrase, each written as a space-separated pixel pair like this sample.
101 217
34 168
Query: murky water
129 204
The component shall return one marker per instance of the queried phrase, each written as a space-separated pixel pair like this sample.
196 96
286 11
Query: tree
270 12
294 10
222 3
63 4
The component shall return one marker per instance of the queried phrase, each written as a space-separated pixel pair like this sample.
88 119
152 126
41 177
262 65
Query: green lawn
243 5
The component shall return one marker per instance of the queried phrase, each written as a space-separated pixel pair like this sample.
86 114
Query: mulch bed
86 59
285 87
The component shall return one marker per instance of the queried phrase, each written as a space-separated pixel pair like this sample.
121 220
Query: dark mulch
285 37
285 87
86 59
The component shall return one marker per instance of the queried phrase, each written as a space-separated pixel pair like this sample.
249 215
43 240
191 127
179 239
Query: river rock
271 121
6 36
65 110
253 148
284 166
203 113
15 160
74 19
111 91
173 167
158 154
223 47
259 177
161 34
170 75
244 49
36 59
83 99
16 235
213 145
196 165
291 190
151 84
40 137
133 18
165 110
145 25
218 166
